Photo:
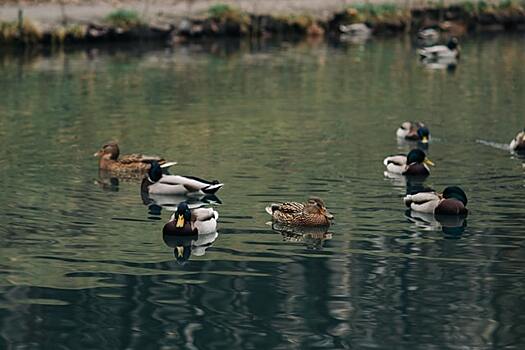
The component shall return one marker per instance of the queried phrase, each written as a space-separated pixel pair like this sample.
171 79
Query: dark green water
83 265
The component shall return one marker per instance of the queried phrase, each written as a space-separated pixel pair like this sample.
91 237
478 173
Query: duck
109 160
441 52
188 222
413 131
518 143
311 213
428 35
355 29
158 183
415 163
452 201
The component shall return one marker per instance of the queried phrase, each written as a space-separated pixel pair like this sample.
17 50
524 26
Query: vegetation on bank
224 20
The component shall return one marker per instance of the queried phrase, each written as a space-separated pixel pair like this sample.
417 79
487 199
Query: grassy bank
221 20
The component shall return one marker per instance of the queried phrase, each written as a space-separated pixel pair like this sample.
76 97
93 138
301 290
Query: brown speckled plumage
132 163
311 213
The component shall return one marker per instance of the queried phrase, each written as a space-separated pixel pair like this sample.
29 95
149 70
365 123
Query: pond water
83 263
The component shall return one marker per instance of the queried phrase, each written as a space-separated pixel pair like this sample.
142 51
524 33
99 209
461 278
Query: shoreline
159 21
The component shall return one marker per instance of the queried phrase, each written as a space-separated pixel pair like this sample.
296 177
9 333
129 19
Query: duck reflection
107 182
409 184
451 225
407 145
185 246
313 237
170 202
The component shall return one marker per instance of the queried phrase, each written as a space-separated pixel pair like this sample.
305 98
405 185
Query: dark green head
182 215
424 134
155 171
456 193
416 156
453 43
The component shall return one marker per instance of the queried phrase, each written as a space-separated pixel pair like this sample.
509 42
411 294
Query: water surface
83 263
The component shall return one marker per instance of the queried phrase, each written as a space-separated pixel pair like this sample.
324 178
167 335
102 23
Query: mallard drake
439 52
109 160
311 213
415 163
158 183
413 131
186 222
452 201
518 143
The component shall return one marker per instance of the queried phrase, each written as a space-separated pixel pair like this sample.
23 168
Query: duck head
182 216
154 172
455 192
424 134
180 224
109 151
453 43
316 206
418 156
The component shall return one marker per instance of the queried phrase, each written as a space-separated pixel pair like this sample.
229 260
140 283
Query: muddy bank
225 21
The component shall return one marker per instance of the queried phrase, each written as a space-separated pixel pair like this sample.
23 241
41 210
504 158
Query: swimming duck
428 35
415 163
413 131
109 160
158 183
186 222
518 143
439 52
452 201
355 29
311 213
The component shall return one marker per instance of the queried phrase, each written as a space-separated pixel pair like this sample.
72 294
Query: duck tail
167 165
271 208
211 189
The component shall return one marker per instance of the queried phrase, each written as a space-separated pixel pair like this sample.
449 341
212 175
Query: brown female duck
311 213
109 160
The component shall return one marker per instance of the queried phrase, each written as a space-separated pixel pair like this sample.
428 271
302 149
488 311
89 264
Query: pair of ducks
452 201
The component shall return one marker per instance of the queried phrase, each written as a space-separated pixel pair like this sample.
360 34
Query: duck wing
288 207
204 214
424 202
192 184
139 158
398 159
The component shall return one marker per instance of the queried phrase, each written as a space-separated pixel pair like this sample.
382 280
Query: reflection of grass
124 18
482 6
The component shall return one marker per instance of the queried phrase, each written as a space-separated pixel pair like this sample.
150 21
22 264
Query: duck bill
97 154
428 162
180 251
180 221
424 139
